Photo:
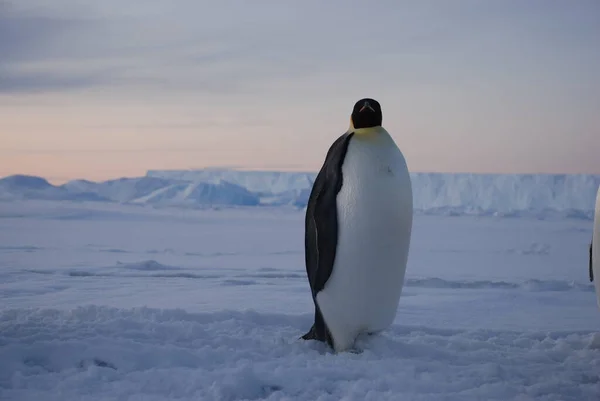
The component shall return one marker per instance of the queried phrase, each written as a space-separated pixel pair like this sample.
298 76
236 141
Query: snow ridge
153 269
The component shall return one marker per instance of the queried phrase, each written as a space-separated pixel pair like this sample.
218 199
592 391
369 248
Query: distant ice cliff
434 193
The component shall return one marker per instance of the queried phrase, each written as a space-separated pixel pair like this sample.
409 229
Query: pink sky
462 90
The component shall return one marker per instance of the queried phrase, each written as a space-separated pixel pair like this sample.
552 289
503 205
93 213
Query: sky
101 90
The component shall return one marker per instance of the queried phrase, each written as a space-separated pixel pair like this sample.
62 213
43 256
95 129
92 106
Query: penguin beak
366 106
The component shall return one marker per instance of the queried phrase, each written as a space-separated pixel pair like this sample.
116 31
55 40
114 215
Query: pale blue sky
92 89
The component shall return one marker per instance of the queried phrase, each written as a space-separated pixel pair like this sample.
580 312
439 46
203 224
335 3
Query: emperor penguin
358 227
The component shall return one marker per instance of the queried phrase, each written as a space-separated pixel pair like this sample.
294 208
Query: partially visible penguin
595 250
357 232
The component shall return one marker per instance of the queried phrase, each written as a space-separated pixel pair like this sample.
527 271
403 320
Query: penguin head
366 114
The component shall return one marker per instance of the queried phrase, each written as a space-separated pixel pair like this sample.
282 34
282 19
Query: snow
531 195
120 190
274 182
21 187
199 193
104 301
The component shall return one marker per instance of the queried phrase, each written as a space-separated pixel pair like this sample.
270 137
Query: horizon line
57 180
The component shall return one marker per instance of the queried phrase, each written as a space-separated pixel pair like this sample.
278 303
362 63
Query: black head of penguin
366 113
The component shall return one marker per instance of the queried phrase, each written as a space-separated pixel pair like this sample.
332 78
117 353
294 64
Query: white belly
596 248
375 222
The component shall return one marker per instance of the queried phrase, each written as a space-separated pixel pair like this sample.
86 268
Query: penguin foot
320 336
97 362
355 350
311 335
315 334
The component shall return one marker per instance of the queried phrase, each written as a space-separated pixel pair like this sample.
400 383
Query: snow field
117 302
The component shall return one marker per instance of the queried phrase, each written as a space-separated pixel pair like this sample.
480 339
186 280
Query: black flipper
591 263
321 229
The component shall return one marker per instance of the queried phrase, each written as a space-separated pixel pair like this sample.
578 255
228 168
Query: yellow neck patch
368 133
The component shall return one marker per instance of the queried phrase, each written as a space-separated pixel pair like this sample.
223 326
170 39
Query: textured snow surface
98 353
539 195
102 301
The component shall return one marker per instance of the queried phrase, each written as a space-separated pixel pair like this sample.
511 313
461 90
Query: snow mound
147 265
25 182
215 192
93 353
119 190
143 269
528 285
22 187
267 182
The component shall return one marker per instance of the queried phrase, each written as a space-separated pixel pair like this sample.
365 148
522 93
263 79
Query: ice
532 195
274 182
22 187
103 301
119 190
508 194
